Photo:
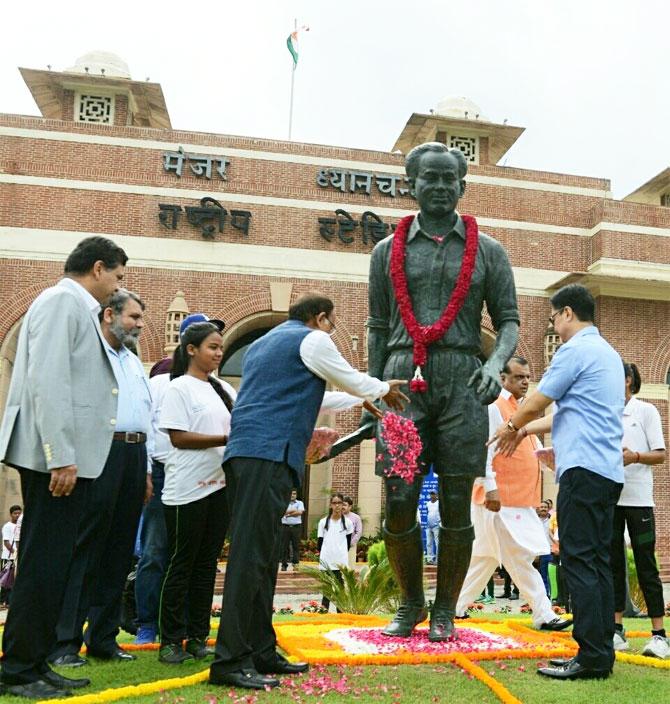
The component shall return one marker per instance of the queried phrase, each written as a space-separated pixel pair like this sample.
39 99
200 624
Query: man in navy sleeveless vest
283 389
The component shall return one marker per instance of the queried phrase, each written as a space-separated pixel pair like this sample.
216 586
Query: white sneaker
657 647
620 642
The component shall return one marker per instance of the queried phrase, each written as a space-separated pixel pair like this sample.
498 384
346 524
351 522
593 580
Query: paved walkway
294 600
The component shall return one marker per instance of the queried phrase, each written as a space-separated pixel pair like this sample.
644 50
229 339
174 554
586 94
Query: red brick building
279 218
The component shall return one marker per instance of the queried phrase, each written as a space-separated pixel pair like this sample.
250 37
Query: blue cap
199 318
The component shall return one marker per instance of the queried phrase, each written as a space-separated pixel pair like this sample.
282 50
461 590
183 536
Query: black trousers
509 587
642 532
326 602
586 502
48 538
195 532
563 595
103 553
290 541
258 492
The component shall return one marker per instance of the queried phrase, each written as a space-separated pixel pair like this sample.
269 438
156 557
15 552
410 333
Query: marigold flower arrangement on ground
356 640
403 447
309 636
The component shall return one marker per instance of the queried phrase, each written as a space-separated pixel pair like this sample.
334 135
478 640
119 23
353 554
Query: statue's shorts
452 422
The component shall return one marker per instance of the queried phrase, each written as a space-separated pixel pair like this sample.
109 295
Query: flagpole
290 111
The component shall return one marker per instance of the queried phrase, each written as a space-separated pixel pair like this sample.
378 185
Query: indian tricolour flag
292 43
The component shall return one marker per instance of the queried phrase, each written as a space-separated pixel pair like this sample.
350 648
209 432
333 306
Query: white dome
95 61
459 107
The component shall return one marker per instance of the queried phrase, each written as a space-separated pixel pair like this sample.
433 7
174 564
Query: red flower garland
403 446
425 335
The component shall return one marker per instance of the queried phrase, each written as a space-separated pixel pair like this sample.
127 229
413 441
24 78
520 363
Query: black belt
131 438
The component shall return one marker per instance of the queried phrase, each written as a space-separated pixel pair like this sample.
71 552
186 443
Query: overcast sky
588 79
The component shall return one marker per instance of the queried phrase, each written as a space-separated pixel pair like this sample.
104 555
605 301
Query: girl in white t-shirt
643 446
334 540
196 415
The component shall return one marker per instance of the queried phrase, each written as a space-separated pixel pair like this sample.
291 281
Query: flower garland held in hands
403 446
320 445
425 335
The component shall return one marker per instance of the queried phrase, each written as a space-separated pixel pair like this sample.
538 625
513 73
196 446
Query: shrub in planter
308 546
377 553
363 546
372 590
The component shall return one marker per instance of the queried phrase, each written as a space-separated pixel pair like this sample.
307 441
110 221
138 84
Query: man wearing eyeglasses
586 381
284 378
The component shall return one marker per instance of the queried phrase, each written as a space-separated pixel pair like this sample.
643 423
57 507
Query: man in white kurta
507 528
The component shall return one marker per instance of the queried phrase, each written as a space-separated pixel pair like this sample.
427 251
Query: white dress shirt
321 357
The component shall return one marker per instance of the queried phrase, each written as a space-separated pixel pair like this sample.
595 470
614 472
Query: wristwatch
511 426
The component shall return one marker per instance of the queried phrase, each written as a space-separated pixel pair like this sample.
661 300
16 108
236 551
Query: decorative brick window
94 108
468 145
552 342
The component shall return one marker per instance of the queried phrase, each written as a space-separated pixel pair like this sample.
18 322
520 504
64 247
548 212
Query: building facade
238 227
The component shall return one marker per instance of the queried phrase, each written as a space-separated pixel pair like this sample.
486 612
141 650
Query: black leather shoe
69 660
60 682
35 690
246 679
557 624
559 662
117 654
573 671
513 596
282 666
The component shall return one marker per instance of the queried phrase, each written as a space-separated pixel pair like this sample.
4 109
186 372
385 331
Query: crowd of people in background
99 445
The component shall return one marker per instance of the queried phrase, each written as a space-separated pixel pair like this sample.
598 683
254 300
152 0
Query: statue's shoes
406 620
441 626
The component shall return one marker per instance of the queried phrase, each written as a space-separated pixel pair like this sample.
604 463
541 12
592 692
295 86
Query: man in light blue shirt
105 546
292 531
586 381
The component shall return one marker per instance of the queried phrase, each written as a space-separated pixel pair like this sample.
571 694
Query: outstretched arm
320 356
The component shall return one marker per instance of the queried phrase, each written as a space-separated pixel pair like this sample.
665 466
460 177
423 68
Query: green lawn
423 684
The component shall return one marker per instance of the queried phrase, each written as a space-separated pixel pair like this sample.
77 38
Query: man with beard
105 545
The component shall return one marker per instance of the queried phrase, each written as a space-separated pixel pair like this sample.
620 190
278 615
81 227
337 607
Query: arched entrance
231 366
237 339
10 486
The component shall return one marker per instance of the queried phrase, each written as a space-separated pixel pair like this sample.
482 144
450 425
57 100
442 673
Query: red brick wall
638 329
121 110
